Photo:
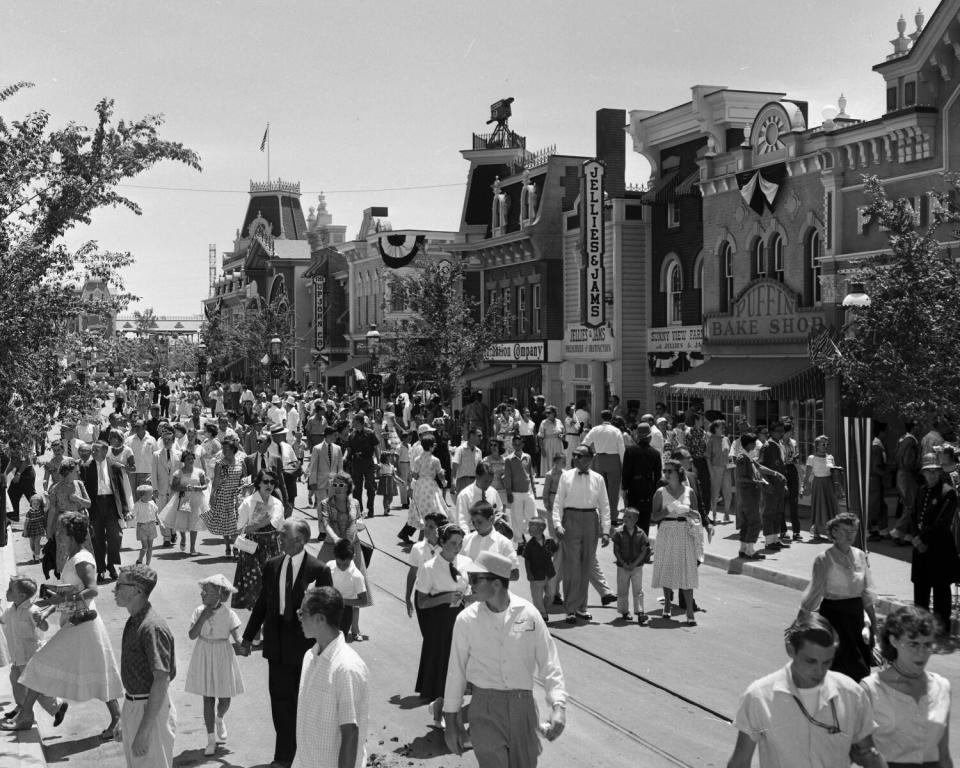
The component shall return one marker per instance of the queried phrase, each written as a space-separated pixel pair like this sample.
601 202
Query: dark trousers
645 508
284 686
105 532
792 499
876 505
290 482
609 466
773 518
703 475
942 600
748 497
364 477
23 488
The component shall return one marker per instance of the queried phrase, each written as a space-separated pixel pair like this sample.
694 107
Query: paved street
655 696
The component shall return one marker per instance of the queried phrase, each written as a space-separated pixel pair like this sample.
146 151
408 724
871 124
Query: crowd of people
171 460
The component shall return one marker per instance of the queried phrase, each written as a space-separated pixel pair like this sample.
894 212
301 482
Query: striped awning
753 378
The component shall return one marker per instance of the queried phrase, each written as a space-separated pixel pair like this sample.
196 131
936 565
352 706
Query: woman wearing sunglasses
259 518
441 585
338 517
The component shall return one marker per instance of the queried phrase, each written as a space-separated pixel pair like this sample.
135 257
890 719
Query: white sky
367 95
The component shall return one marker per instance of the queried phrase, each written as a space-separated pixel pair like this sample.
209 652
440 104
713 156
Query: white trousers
160 745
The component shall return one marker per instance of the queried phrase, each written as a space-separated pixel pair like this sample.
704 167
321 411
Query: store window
813 255
673 214
776 252
507 307
726 276
809 424
581 371
523 322
675 294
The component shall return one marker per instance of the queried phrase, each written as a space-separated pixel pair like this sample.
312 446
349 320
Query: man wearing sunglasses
806 715
499 642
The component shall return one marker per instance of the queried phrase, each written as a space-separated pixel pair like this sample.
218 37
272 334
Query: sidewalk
20 748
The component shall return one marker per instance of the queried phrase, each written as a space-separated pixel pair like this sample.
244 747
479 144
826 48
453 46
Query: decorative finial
711 146
901 25
918 19
842 104
901 43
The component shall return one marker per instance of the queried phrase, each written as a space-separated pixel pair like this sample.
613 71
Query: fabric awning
472 376
339 370
759 378
499 374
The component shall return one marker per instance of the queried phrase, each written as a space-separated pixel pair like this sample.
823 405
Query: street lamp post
275 352
201 362
375 381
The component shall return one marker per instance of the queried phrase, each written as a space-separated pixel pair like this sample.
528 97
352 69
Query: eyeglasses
475 577
339 485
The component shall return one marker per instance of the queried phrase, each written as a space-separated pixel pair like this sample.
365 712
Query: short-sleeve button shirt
147 646
362 444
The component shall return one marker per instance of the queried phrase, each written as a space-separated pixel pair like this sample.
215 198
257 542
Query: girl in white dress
214 672
187 501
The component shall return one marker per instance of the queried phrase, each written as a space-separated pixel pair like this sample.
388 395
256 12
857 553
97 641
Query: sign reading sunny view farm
766 312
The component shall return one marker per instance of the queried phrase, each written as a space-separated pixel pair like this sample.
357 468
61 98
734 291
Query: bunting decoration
399 250
759 188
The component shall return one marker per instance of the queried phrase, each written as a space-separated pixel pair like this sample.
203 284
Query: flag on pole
359 375
266 135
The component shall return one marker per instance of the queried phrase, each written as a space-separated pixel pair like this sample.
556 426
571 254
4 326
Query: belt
609 454
511 693
581 509
672 520
136 696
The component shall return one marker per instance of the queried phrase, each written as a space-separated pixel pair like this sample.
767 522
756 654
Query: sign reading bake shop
765 312
593 281
517 352
582 342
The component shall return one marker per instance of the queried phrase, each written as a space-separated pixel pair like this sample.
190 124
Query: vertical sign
319 313
591 243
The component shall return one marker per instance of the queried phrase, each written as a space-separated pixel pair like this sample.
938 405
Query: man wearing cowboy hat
500 665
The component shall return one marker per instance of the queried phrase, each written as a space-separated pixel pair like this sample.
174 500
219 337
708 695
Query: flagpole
268 151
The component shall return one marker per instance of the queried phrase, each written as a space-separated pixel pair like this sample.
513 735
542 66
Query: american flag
266 135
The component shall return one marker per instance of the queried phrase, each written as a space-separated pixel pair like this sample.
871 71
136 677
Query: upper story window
759 259
726 276
523 325
813 255
673 214
698 283
675 294
535 301
776 255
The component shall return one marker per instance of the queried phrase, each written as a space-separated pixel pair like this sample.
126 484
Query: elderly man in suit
285 580
108 489
326 459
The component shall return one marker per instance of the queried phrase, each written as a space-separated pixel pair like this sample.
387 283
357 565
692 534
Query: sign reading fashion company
766 311
517 352
582 342
591 243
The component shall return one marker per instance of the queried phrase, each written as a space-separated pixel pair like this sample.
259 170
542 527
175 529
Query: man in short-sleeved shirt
148 664
804 715
484 538
333 706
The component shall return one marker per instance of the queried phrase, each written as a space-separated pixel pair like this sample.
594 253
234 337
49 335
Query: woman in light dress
187 501
550 436
427 478
77 663
340 517
571 432
823 496
211 448
679 538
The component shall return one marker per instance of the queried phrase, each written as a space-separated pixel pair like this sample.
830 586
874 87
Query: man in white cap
499 643
291 418
275 414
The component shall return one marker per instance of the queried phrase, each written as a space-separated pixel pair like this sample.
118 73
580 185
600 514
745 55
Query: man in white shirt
484 538
606 441
143 446
804 714
333 705
581 497
479 490
166 461
499 643
275 414
292 418
463 464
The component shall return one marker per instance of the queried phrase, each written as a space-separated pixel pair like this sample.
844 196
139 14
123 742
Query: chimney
612 149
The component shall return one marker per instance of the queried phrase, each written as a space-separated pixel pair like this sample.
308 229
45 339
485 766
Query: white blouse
909 731
434 577
836 577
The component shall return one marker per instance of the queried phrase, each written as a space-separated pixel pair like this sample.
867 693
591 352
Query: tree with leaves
52 180
236 349
448 335
900 353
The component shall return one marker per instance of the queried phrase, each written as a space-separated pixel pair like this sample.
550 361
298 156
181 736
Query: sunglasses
338 485
475 577
267 482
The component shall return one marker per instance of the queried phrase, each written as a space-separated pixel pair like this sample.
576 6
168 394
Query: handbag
245 545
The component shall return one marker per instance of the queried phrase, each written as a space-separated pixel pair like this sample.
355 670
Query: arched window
675 295
698 284
813 254
759 259
726 276
776 255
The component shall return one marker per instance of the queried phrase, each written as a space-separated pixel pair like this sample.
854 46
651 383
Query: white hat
218 580
275 399
424 429
491 562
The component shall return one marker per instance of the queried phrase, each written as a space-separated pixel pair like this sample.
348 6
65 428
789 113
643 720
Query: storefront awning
480 373
499 374
339 370
759 378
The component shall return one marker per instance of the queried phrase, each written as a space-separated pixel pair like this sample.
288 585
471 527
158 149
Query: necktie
329 456
288 593
168 454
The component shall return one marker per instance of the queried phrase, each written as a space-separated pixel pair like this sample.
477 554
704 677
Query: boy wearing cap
631 549
500 666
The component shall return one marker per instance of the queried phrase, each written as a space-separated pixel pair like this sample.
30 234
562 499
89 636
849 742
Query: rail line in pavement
593 655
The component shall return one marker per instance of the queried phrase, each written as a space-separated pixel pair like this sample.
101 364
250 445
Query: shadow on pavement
407 702
421 747
61 751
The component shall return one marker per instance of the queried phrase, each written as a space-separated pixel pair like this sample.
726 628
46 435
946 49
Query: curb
883 605
20 748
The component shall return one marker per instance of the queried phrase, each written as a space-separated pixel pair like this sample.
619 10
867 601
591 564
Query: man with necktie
166 461
326 459
285 580
108 489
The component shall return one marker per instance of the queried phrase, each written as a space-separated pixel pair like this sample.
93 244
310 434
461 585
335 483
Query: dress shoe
642 619
571 618
112 573
60 714
797 537
584 616
776 546
607 599
758 556
874 536
557 600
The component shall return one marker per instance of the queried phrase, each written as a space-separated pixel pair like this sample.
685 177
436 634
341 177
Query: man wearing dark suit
774 470
261 459
642 470
105 484
285 579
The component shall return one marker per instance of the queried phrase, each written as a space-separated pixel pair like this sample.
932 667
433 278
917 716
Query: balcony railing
499 139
